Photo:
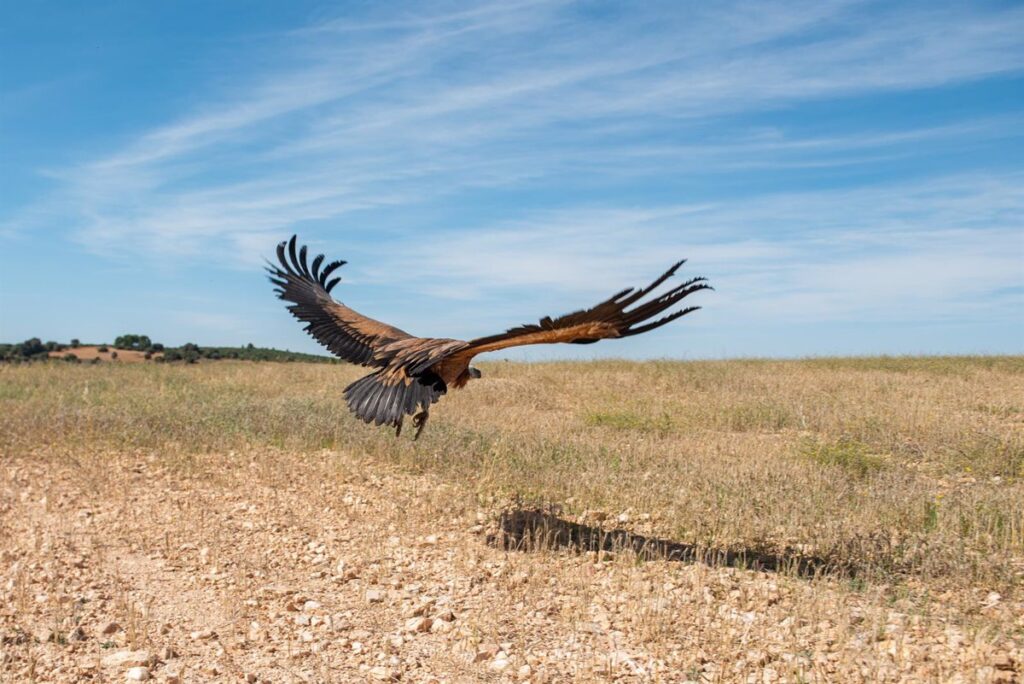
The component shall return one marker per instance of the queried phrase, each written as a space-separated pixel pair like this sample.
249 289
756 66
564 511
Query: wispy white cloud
393 109
896 252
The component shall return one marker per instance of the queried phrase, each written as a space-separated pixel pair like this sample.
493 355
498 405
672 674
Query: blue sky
849 175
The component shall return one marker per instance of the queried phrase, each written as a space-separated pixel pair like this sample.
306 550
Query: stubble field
766 521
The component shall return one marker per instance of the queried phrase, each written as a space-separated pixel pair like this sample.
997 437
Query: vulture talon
419 421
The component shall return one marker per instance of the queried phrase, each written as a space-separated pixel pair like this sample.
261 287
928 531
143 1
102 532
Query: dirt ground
88 353
263 568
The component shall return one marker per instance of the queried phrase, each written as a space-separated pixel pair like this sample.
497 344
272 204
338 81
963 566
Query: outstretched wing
346 333
611 318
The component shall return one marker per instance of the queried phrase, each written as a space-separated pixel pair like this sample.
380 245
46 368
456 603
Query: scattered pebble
418 624
381 673
486 651
138 674
127 659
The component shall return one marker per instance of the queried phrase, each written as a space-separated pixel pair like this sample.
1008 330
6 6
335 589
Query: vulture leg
419 421
398 427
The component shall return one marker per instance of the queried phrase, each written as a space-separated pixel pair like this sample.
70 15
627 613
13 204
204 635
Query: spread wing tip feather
294 262
627 312
306 287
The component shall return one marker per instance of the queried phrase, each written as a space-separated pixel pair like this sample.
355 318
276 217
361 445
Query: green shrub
136 342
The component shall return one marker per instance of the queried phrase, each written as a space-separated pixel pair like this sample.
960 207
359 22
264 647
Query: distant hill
246 353
140 349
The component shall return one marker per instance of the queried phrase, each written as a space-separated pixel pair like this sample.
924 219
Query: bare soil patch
89 353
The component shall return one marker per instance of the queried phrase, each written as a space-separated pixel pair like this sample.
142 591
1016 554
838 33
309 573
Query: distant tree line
36 350
29 350
192 353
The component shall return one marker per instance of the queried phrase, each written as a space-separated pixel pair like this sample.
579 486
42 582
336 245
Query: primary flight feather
411 373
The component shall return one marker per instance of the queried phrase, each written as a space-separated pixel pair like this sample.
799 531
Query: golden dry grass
909 466
904 477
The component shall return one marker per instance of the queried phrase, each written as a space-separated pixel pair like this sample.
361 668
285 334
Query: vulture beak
474 373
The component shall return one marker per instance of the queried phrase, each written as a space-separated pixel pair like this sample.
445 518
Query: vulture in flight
411 373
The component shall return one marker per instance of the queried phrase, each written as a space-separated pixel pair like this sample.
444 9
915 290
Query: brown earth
330 568
92 352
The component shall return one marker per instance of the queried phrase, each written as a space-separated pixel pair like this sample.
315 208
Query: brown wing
346 333
610 318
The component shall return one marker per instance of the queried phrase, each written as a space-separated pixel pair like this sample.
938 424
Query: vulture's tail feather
376 400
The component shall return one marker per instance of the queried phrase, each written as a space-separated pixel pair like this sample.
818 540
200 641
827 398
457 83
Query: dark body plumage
411 373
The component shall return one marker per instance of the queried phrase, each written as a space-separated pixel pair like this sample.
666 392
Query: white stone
380 673
127 659
418 624
486 652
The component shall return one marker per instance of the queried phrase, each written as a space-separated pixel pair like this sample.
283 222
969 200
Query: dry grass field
833 520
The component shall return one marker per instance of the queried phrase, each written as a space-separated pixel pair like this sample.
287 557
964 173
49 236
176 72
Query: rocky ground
321 567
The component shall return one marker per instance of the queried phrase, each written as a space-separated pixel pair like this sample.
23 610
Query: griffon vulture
411 373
